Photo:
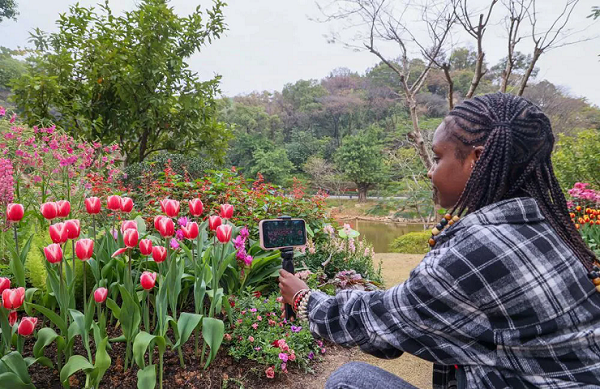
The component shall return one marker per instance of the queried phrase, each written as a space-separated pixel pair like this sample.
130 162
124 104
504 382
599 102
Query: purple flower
239 242
183 221
253 309
174 244
241 254
283 357
296 329
248 260
311 355
244 233
2 111
179 234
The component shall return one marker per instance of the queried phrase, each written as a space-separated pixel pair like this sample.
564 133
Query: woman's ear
478 150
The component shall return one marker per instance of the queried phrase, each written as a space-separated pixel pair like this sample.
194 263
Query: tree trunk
415 135
446 69
537 52
362 193
478 70
143 145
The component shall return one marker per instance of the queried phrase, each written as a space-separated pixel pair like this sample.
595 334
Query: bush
411 243
577 158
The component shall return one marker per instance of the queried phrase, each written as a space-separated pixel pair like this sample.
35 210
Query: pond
382 234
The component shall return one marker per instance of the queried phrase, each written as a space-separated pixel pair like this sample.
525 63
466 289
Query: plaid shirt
500 295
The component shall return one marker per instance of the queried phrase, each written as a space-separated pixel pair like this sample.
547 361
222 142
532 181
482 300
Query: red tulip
224 233
4 284
84 248
166 227
73 228
92 205
126 204
114 203
146 247
49 210
100 295
190 230
58 233
63 207
27 326
14 212
170 207
127 224
119 252
13 298
53 253
196 207
147 280
226 211
130 238
156 222
214 222
12 318
159 254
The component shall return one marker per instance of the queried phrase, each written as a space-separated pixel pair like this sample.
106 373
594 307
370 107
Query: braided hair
515 161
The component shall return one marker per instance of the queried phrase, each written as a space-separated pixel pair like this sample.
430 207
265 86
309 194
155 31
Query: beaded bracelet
298 297
303 308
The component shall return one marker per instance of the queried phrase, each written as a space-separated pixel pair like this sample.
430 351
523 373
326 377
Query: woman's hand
289 285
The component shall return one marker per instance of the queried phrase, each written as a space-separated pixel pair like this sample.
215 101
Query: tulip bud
166 227
170 207
58 233
127 224
159 254
12 318
119 252
190 231
126 204
224 233
14 212
27 326
147 280
4 284
100 295
146 247
196 207
114 203
92 205
13 298
84 248
63 207
226 211
156 222
73 228
53 253
130 238
49 210
214 222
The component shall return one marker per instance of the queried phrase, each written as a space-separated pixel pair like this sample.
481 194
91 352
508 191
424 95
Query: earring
472 165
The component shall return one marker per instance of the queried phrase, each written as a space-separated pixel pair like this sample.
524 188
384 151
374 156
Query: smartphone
280 233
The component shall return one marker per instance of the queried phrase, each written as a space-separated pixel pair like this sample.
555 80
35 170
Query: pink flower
227 337
255 325
13 298
170 207
250 339
27 326
53 253
270 372
259 318
174 244
292 356
147 280
13 118
100 295
283 357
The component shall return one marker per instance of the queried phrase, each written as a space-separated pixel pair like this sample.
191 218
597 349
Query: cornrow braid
518 141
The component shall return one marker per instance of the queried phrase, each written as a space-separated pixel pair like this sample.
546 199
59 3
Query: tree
125 79
577 158
360 158
8 9
10 67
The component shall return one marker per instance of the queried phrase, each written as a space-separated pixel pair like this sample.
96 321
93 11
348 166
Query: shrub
411 243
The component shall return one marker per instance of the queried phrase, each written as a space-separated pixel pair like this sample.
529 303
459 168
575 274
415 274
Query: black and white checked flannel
500 295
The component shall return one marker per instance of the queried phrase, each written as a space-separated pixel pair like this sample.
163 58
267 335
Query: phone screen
282 233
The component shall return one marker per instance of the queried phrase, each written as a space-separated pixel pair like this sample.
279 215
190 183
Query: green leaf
14 362
141 343
45 337
45 361
116 310
147 377
130 316
186 324
52 316
17 268
75 363
10 380
212 332
102 362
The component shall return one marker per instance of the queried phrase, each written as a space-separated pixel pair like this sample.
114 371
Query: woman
504 297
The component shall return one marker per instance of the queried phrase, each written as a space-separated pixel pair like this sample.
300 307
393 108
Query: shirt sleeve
427 316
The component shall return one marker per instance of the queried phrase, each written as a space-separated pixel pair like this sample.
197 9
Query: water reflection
381 234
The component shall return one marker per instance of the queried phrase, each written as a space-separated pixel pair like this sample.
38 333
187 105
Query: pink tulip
53 253
156 221
119 252
147 280
14 212
166 227
13 298
127 224
100 295
146 247
73 228
126 204
196 207
92 205
224 233
84 248
27 326
4 284
114 203
226 211
214 222
58 233
12 318
159 254
49 210
170 207
63 207
190 231
130 238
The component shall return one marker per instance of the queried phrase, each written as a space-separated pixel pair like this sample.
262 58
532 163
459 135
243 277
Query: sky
270 43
